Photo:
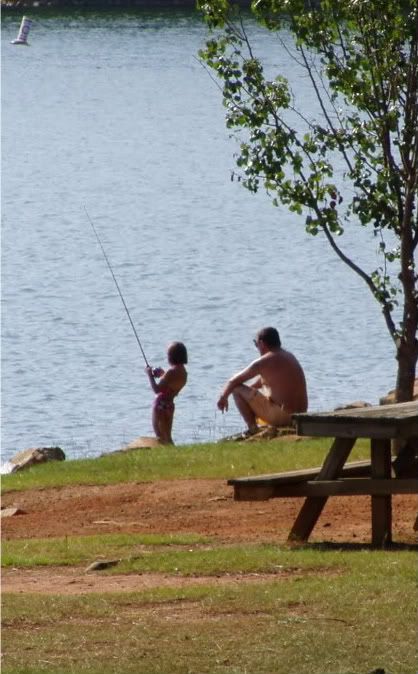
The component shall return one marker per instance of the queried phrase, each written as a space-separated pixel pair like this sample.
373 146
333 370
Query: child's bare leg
166 424
162 421
156 423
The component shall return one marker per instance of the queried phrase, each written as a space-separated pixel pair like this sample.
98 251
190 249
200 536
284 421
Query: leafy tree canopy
361 58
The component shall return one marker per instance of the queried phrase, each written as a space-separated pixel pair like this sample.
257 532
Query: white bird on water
24 29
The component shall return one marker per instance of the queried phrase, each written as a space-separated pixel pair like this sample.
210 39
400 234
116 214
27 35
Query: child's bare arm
159 386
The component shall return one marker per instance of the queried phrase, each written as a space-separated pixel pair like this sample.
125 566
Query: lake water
114 113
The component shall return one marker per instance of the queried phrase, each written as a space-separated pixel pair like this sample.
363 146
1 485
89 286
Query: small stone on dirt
102 564
10 512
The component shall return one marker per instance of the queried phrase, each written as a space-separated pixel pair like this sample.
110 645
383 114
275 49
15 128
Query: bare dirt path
203 507
75 580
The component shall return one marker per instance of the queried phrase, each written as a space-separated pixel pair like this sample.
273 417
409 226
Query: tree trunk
407 356
407 346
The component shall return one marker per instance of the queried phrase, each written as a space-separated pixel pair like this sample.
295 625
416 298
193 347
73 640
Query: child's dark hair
177 353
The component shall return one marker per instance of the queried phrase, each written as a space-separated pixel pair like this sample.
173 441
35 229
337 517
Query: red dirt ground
203 507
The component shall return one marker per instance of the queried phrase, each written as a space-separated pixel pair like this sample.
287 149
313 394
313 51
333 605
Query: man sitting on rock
279 389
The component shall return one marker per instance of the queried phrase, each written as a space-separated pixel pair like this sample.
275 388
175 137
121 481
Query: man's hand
223 403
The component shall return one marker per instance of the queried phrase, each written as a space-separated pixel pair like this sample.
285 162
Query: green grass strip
70 550
215 460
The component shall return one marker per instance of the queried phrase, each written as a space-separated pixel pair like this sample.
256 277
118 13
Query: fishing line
117 286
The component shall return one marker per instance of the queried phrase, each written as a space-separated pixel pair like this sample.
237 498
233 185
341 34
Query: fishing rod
117 286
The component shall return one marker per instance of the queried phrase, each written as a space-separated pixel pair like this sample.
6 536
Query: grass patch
220 561
70 550
355 620
196 556
220 460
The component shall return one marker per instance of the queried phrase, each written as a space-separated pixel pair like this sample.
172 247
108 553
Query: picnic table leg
313 505
381 464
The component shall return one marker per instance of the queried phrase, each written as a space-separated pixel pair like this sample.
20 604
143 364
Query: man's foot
244 435
249 432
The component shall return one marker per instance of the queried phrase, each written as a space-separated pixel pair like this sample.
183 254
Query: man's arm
253 370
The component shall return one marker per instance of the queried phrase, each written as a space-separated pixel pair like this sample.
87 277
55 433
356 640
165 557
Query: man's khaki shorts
263 407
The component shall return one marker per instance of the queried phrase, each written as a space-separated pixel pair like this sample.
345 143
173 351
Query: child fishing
166 389
171 382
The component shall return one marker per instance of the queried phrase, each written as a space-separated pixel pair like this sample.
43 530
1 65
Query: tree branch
366 278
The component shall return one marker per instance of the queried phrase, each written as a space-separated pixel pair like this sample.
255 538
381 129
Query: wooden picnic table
381 424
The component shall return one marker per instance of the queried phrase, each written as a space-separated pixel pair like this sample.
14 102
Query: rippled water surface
114 113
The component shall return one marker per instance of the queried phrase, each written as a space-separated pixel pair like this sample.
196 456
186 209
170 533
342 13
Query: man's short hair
270 337
177 353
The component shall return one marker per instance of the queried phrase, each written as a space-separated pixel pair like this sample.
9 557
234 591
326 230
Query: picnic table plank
341 487
383 421
354 468
264 487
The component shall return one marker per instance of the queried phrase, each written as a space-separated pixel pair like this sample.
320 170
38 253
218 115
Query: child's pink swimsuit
164 401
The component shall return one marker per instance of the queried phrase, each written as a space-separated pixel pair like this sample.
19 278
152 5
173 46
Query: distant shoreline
92 5
14 6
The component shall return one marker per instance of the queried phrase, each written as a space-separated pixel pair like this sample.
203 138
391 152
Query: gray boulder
389 399
357 404
35 455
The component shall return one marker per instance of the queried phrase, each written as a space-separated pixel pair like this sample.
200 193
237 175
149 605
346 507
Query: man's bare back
282 380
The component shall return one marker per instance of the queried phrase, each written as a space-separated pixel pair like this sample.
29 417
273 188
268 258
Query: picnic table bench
376 478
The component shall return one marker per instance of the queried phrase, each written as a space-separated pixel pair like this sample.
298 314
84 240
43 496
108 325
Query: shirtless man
278 391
